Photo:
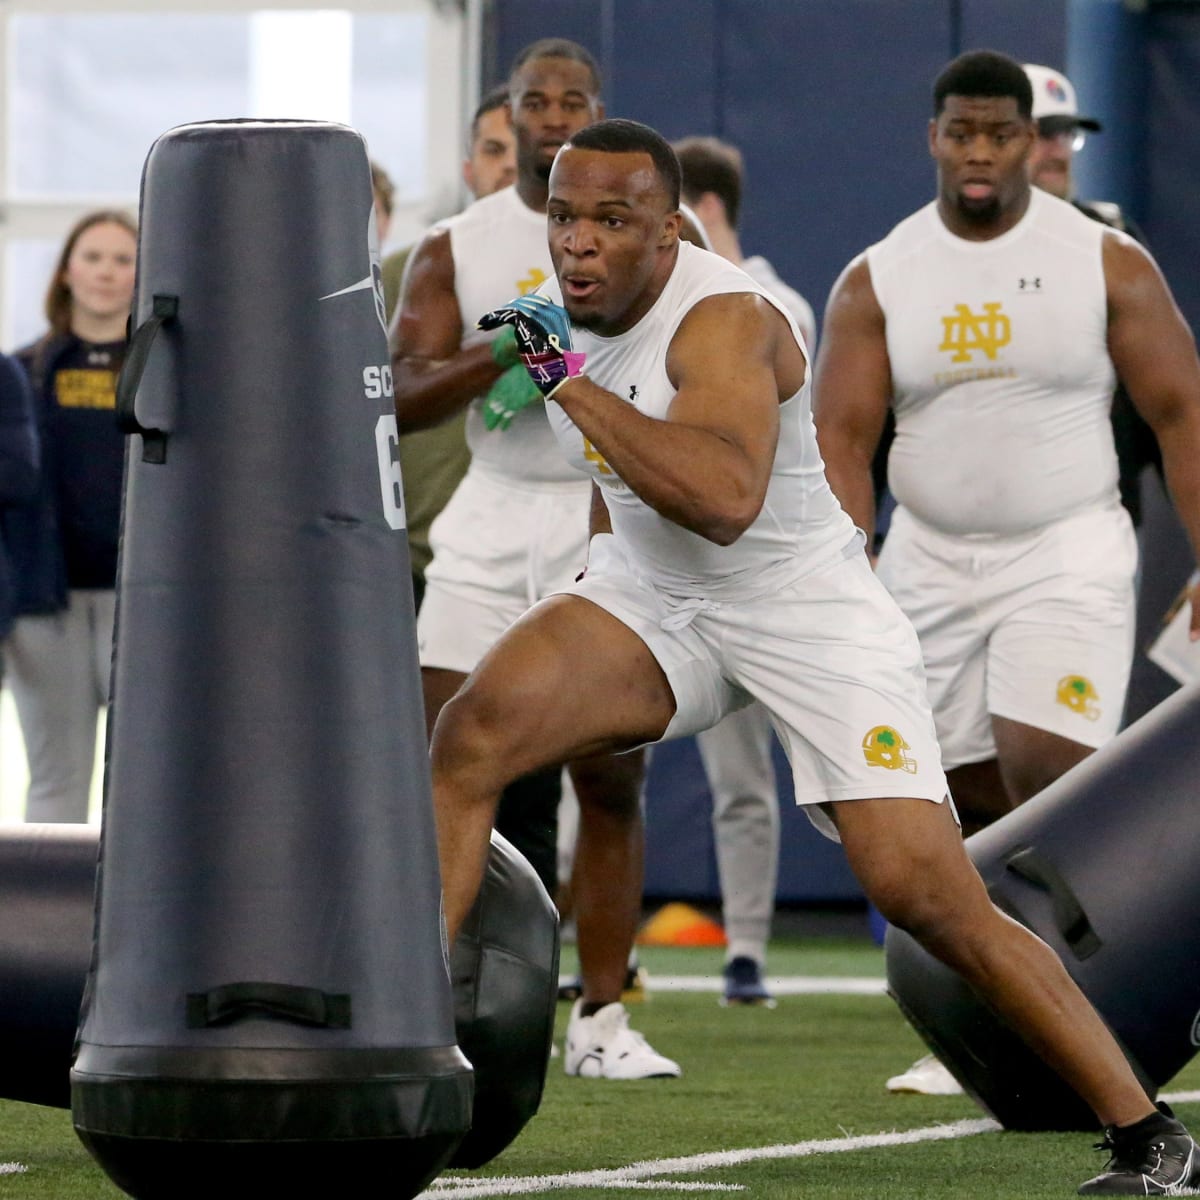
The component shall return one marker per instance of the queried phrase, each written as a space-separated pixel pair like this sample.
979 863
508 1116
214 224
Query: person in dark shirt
1062 130
63 542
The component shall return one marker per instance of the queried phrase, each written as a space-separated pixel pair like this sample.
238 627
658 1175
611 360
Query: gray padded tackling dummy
269 1004
1102 866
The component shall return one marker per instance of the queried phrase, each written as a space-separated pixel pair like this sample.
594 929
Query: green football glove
504 348
513 391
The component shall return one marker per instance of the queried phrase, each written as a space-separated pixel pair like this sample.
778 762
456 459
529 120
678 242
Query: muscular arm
707 465
851 391
1155 357
434 376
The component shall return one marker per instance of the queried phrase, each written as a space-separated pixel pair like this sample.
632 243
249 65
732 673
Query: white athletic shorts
1038 627
830 656
499 546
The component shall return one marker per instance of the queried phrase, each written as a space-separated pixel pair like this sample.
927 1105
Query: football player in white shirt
995 321
731 574
516 527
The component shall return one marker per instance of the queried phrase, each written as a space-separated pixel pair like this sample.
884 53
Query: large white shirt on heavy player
801 527
1001 378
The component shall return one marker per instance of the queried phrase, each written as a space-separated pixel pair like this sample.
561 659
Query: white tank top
801 527
500 251
1001 378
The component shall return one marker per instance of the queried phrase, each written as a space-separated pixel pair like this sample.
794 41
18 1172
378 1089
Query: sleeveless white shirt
1001 378
500 251
801 527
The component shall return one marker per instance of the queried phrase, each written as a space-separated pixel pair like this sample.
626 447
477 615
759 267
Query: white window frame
452 49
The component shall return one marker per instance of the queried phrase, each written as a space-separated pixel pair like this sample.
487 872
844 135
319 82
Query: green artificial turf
812 1068
820 956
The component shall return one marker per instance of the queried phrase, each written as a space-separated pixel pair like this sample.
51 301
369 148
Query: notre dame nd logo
884 747
966 332
1079 695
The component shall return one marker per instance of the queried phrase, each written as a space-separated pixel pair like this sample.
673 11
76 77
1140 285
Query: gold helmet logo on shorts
884 747
1079 695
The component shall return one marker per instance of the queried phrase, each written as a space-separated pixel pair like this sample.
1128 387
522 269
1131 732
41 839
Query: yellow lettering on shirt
969 374
594 456
533 280
86 388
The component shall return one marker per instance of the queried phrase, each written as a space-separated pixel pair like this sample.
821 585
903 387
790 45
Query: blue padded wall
827 99
680 862
829 102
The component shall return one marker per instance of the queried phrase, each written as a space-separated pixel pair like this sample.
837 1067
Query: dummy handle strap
154 450
283 1001
1072 922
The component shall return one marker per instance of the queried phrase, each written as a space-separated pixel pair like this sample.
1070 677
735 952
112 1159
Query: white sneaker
926 1077
603 1046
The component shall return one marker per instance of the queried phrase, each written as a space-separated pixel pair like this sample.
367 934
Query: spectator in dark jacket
19 461
63 543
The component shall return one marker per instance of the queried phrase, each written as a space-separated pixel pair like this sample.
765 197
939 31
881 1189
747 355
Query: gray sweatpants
58 670
736 753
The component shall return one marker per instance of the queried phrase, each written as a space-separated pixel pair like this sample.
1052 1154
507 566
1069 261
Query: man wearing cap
1060 129
994 323
1060 134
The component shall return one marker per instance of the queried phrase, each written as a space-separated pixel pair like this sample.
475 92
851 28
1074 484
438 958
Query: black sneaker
744 983
1155 1157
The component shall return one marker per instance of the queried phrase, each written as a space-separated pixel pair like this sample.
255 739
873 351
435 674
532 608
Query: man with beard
516 530
722 571
995 322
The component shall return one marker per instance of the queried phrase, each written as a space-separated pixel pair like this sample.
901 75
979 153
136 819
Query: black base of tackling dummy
1101 865
504 967
504 970
527 818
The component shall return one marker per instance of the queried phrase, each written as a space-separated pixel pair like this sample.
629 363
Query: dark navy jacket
19 474
31 535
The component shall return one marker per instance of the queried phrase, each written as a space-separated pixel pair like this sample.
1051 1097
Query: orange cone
681 925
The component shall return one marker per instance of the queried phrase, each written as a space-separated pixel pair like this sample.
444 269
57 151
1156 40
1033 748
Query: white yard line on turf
781 985
641 1174
789 985
645 1176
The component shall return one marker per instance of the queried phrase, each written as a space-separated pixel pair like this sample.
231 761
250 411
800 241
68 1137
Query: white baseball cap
1054 97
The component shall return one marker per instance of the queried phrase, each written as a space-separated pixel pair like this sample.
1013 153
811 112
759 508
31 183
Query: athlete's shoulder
487 210
907 237
699 267
1064 222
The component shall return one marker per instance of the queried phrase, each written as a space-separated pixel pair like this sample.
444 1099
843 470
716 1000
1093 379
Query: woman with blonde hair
63 544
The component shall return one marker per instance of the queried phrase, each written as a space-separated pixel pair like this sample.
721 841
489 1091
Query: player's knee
609 783
468 741
912 902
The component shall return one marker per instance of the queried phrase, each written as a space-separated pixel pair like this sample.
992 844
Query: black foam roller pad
504 967
505 971
1102 866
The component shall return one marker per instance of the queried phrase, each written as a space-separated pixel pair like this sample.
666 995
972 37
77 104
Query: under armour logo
966 332
1031 285
633 392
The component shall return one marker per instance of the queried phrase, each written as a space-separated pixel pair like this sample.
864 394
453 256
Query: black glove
543 333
